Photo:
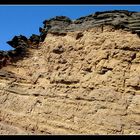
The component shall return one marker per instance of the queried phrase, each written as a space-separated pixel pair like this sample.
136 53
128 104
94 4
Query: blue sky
26 20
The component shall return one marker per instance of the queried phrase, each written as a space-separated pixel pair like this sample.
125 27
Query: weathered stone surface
70 85
21 45
83 78
60 25
35 38
120 19
18 41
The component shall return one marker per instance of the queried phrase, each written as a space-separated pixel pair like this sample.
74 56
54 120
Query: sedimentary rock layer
88 85
123 19
77 82
119 19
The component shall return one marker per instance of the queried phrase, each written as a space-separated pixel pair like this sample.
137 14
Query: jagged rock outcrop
78 81
34 41
18 41
55 25
118 18
21 45
60 25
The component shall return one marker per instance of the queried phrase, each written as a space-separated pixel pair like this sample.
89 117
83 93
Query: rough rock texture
83 82
123 19
60 25
21 45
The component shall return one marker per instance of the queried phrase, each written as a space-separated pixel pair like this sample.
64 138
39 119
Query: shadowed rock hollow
82 79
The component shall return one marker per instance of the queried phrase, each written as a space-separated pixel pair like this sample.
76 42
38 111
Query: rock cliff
76 77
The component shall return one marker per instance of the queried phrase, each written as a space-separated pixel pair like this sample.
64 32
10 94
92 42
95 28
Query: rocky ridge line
119 19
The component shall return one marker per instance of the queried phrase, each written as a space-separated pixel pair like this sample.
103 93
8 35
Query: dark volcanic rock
21 45
128 20
34 41
35 38
61 21
18 41
54 25
43 33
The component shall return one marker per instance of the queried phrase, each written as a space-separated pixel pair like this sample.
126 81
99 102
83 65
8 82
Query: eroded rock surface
21 45
120 19
60 25
83 82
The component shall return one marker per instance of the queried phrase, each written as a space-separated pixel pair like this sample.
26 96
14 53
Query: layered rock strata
119 19
82 81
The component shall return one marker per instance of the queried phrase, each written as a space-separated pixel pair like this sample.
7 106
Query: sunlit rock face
84 79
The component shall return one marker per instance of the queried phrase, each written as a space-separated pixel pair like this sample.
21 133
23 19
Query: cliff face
75 82
60 25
